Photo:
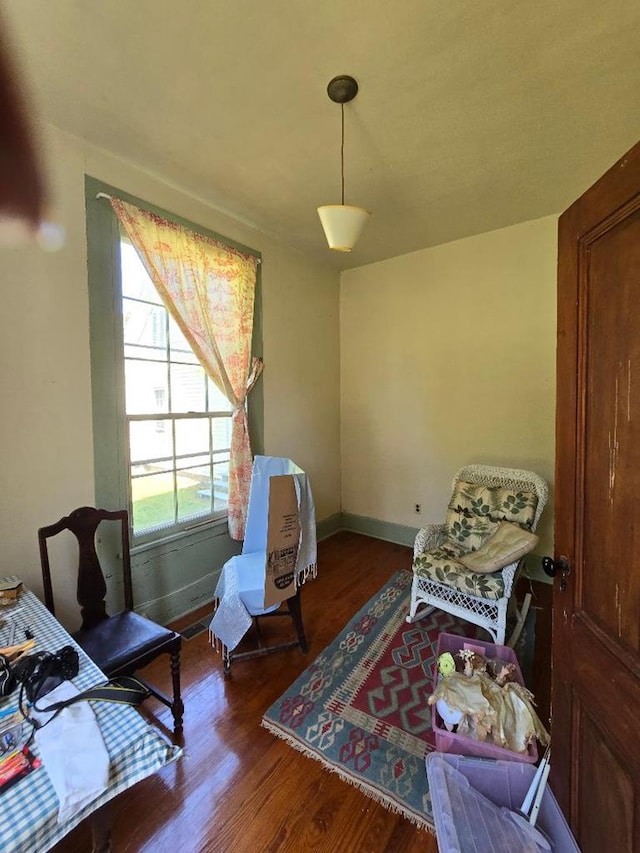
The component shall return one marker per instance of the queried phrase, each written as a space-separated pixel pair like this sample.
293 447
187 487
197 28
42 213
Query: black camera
42 672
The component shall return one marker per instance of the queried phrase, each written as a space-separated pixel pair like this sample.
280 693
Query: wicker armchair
483 496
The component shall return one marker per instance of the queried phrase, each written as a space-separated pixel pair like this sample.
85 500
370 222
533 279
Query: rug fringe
371 792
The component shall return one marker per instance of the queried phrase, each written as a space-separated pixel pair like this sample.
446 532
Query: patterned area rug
361 707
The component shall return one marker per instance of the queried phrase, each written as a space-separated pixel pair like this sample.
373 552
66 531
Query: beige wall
46 439
445 356
448 357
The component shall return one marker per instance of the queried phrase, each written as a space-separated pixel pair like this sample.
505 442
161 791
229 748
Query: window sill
214 527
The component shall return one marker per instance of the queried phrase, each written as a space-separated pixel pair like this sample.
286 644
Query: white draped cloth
239 593
72 751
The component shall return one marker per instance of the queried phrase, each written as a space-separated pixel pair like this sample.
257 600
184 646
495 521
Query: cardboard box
10 590
283 539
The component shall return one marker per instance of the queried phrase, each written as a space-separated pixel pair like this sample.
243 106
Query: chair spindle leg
177 706
296 612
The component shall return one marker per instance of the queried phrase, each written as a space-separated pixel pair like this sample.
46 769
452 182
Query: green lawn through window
155 510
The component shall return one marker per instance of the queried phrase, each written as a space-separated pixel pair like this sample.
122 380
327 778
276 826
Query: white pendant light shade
343 224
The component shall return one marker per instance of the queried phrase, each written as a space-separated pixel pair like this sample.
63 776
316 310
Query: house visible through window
178 424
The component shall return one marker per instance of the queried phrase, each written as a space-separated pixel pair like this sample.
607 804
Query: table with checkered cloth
136 750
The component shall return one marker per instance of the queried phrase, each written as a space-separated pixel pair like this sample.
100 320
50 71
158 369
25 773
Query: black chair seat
123 642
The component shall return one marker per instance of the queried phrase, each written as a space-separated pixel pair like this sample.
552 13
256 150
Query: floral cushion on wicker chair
475 510
483 498
474 515
442 566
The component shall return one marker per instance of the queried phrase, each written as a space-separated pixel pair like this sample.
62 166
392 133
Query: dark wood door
596 610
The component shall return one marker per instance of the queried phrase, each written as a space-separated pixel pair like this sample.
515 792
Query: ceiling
471 115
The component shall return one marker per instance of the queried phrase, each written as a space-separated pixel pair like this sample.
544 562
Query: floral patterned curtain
209 289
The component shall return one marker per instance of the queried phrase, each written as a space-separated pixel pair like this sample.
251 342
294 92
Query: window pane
145 325
147 442
218 495
135 279
153 501
193 461
221 486
194 492
180 348
217 401
143 469
187 388
146 387
148 353
192 436
221 431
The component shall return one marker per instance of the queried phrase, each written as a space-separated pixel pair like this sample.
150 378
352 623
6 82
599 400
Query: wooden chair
483 497
125 642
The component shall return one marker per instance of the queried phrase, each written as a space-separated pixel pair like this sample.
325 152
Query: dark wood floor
238 788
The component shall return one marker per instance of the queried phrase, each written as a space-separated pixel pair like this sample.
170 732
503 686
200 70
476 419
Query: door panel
605 789
596 619
612 433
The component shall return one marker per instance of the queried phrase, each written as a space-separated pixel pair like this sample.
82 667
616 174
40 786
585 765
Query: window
162 430
178 424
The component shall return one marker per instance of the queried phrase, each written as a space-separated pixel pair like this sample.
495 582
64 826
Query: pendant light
342 223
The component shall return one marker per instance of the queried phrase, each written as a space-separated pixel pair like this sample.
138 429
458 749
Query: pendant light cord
342 152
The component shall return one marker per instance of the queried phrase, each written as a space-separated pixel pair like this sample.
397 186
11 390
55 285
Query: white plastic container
463 826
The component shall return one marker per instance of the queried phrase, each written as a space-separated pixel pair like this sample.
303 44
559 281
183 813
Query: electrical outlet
418 508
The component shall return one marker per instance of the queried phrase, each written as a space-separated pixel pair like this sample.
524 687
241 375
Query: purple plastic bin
447 741
462 826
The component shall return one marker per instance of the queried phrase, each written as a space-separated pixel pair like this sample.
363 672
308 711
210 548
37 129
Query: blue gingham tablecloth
29 809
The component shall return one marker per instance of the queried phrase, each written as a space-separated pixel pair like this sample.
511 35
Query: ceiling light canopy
342 223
